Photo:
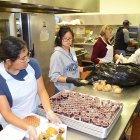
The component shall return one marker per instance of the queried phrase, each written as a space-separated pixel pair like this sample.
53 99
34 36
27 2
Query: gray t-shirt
63 64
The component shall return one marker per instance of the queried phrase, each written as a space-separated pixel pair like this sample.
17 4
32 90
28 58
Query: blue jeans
56 90
123 52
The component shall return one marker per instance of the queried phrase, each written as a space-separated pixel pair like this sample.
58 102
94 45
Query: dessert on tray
86 113
82 107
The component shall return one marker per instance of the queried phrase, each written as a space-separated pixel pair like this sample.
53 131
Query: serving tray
100 115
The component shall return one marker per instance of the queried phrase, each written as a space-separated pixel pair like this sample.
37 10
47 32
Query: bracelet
29 128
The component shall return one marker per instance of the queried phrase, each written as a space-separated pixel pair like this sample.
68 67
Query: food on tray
85 108
44 136
61 130
32 120
59 137
84 81
51 131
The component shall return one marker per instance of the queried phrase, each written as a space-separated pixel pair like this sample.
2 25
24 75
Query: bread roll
95 85
114 87
107 88
51 131
32 120
44 136
84 81
100 87
103 82
117 90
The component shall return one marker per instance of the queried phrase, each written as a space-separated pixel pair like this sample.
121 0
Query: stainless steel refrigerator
38 30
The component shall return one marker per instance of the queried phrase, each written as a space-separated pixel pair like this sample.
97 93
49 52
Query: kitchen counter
130 99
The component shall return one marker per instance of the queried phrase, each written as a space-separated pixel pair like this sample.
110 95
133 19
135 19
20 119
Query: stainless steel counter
129 97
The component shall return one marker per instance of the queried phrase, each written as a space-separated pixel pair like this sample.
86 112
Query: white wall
111 12
101 19
119 6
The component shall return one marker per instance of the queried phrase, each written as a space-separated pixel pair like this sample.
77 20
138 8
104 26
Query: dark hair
61 33
11 47
126 22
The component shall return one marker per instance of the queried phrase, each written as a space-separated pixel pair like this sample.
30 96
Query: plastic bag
118 74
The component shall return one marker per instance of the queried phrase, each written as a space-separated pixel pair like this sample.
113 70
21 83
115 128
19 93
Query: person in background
122 39
21 86
103 51
64 69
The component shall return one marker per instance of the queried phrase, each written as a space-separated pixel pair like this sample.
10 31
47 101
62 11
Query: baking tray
98 131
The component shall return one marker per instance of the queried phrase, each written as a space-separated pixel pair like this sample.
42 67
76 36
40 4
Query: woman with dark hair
21 86
64 69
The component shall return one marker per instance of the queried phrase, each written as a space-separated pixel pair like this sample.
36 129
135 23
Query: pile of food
46 132
52 133
102 85
85 108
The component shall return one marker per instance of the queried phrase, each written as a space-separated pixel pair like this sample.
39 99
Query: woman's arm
121 58
81 69
117 56
11 118
7 114
43 94
126 36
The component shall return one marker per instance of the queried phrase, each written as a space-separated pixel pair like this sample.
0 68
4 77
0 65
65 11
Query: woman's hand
133 43
121 59
100 62
53 117
32 133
